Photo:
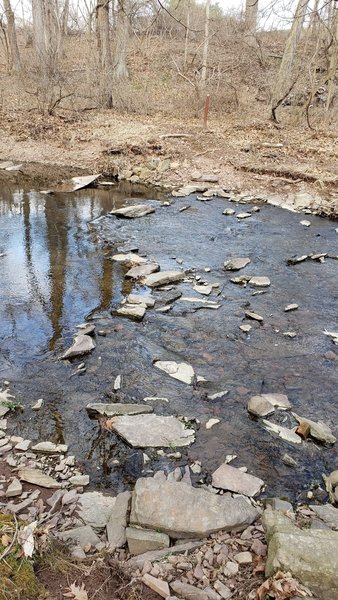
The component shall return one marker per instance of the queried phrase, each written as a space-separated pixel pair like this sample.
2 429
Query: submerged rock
142 431
230 478
181 510
289 435
113 410
133 212
181 371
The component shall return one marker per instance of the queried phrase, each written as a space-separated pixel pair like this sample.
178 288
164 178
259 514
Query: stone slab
114 410
230 478
145 540
142 431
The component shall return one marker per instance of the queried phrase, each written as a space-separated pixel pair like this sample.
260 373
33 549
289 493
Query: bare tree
205 43
333 58
121 40
286 76
250 15
14 63
104 50
47 34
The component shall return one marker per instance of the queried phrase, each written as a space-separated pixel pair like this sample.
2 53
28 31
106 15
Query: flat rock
131 311
50 448
187 591
290 307
137 562
117 523
37 477
164 277
14 489
144 540
81 535
319 431
230 478
142 270
260 406
181 371
289 435
83 344
235 264
280 401
142 431
114 410
133 212
229 211
253 316
95 509
79 480
260 281
180 510
327 513
157 585
205 290
148 301
130 258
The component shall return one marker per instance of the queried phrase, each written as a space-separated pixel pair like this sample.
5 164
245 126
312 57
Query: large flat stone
328 513
157 585
181 510
142 271
135 312
145 540
130 258
81 535
83 344
312 559
95 509
319 431
37 477
235 264
142 431
133 212
113 410
137 562
117 523
163 277
230 478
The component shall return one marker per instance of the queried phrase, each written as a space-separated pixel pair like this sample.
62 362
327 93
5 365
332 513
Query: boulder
133 212
83 344
117 523
149 301
230 478
142 431
163 278
144 540
181 510
113 410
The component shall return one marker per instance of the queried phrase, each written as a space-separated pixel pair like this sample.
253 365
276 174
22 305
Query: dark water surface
57 271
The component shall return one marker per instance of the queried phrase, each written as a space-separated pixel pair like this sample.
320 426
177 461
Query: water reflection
52 272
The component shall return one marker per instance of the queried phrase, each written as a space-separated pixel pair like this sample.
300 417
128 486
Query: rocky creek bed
176 355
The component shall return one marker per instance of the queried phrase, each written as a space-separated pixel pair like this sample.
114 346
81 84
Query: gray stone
50 448
81 535
289 435
289 461
229 211
144 540
129 258
157 585
235 264
95 509
254 316
142 271
117 523
83 344
134 211
279 504
79 480
113 410
37 404
230 478
223 590
137 562
142 431
280 401
23 446
163 277
37 477
131 311
14 489
243 558
275 521
311 557
149 301
187 591
181 510
260 407
291 307
327 513
181 371
319 431
260 281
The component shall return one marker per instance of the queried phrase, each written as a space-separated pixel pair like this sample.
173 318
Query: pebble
243 558
222 589
211 423
37 404
290 307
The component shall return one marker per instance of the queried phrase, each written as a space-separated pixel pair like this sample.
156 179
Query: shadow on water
56 271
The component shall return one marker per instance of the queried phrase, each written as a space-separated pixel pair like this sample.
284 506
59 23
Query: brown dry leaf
5 540
76 593
282 586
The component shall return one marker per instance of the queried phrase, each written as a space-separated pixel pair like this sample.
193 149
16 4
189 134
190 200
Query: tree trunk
104 51
333 60
47 35
205 44
286 76
14 63
64 18
186 38
122 40
250 15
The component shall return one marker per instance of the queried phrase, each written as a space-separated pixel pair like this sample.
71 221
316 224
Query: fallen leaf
282 586
26 538
5 540
76 593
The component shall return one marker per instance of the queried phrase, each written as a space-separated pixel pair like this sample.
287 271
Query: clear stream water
56 272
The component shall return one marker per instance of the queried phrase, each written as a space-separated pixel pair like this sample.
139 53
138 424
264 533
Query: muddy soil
57 272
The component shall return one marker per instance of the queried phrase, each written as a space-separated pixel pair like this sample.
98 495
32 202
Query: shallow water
57 271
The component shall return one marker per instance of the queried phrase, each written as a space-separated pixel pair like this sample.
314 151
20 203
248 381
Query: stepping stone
164 277
230 478
142 431
83 344
133 212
